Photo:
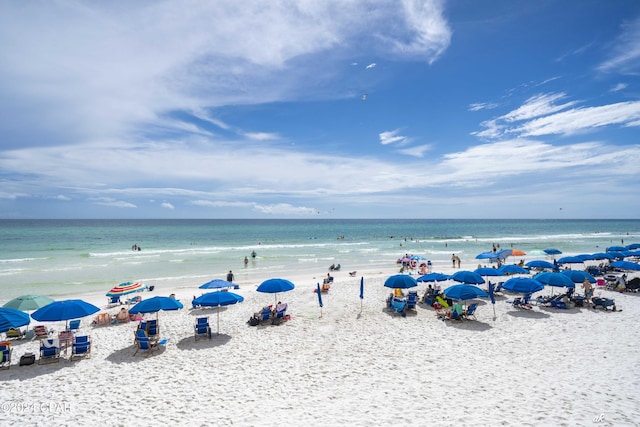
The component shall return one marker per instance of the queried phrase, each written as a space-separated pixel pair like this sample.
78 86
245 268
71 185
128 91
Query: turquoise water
65 257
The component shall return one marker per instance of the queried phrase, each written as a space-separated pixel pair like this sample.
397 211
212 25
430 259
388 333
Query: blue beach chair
202 328
81 347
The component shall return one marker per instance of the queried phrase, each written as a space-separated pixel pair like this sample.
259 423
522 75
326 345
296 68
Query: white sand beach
345 367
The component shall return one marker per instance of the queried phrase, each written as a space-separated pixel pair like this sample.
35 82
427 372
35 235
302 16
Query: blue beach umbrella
578 276
487 255
464 292
11 318
600 256
513 269
433 277
274 286
616 249
523 285
626 265
633 246
552 251
539 263
64 310
570 260
491 289
361 291
400 281
217 299
216 284
155 304
319 292
555 279
468 277
485 271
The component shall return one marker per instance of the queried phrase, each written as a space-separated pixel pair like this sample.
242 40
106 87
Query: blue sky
309 109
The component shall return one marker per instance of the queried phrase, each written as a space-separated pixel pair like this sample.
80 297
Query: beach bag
253 321
27 359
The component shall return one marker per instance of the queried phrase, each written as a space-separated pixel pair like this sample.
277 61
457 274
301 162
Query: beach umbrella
155 304
578 276
468 277
485 271
464 292
64 310
536 252
555 279
513 269
626 265
616 249
361 291
400 281
524 285
216 284
570 260
126 288
552 251
487 255
600 256
217 299
274 286
538 263
433 277
517 252
319 292
11 318
633 246
28 302
491 289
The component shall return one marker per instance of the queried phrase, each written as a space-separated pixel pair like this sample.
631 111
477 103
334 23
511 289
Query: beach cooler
600 282
27 359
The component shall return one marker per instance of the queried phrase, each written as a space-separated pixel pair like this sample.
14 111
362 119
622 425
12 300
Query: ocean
60 258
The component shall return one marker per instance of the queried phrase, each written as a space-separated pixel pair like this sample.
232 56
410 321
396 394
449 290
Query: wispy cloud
619 87
625 53
543 115
478 106
392 137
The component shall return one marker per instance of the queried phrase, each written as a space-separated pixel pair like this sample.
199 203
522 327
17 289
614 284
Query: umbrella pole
218 320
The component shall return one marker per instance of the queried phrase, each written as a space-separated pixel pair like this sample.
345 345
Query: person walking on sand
588 290
453 260
230 276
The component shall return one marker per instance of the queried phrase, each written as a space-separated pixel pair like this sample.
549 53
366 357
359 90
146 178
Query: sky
320 109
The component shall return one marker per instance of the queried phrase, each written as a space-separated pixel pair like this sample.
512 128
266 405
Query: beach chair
49 351
470 311
152 328
15 334
5 355
399 305
412 300
265 314
134 300
81 347
144 343
202 328
281 314
113 301
41 332
74 325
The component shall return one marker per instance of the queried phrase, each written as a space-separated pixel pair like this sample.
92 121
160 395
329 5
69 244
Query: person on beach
453 260
588 290
246 261
253 254
230 276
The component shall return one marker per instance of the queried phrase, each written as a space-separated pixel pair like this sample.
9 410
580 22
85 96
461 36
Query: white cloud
372 65
619 87
106 201
540 115
392 137
625 54
167 205
478 106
